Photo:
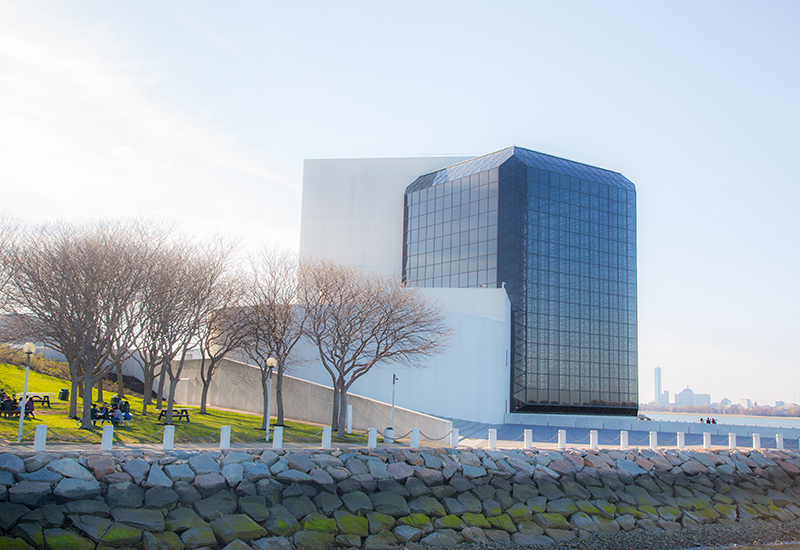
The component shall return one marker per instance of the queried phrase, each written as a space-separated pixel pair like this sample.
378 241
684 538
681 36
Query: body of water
731 419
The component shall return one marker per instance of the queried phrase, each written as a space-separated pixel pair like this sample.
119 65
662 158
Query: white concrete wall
237 386
352 209
469 381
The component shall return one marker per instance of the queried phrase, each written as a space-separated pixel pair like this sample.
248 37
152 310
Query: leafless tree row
103 293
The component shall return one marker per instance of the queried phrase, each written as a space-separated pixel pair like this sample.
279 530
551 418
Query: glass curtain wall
560 237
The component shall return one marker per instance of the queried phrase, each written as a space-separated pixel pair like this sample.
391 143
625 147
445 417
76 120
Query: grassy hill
202 428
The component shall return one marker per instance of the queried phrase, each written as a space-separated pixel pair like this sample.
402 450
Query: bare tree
275 320
358 319
196 283
78 284
225 329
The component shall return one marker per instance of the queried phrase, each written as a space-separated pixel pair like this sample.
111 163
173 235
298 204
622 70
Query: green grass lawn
202 428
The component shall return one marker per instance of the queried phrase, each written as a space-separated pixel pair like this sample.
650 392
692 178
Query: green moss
417 520
450 521
320 523
379 522
551 520
503 522
587 507
476 520
519 512
350 524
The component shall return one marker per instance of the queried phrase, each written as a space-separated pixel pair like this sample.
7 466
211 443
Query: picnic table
176 413
43 398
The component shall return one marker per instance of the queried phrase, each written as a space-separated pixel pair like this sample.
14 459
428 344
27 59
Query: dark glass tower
561 237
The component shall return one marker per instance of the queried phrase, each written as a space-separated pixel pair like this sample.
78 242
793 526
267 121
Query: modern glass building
560 236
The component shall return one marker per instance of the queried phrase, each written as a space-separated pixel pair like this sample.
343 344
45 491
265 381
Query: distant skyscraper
665 397
659 389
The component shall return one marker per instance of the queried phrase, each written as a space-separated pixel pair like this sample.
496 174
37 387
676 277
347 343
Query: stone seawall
261 499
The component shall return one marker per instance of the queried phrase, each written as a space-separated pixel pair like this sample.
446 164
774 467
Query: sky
201 113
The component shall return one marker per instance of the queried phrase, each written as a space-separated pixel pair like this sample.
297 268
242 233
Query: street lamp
28 348
271 363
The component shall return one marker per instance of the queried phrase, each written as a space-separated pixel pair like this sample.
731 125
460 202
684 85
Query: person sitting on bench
29 408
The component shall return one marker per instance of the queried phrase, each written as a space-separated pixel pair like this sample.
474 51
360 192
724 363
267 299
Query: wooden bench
38 397
176 413
15 414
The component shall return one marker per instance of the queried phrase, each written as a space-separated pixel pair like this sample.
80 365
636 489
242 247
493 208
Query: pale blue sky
202 112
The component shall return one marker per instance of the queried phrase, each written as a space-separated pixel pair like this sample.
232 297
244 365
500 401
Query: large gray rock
272 543
101 465
161 541
199 537
127 495
473 472
30 493
187 493
161 497
377 469
38 461
69 489
254 506
61 539
278 466
10 462
137 469
235 457
300 462
256 471
42 475
237 526
47 516
357 502
142 518
179 472
293 476
217 505
234 473
281 522
322 479
182 518
87 507
7 479
157 478
204 463
400 471
269 457
208 484
10 513
69 467
328 503
390 504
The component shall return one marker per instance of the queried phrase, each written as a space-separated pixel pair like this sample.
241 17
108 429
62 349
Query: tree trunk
160 395
335 414
342 413
120 382
100 391
279 394
173 384
147 379
86 414
264 391
204 396
73 398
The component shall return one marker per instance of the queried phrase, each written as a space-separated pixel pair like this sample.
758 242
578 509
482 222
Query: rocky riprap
263 500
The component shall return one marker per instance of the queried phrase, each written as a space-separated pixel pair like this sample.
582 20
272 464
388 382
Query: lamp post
28 348
271 363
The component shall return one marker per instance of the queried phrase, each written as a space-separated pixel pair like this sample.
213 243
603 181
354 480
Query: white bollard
326 437
108 438
40 438
492 438
528 439
779 441
225 437
415 438
454 437
169 438
706 440
681 440
756 441
731 441
562 439
349 419
372 438
654 440
623 440
593 439
277 437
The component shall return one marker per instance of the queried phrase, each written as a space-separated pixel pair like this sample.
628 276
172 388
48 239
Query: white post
349 419
731 440
492 438
454 437
415 438
681 440
623 439
528 439
225 437
756 441
779 441
277 437
372 438
40 438
562 439
108 438
706 440
394 379
593 439
169 438
326 437
654 440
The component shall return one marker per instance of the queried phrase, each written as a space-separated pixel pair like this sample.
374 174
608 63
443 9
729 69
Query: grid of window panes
450 235
581 341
